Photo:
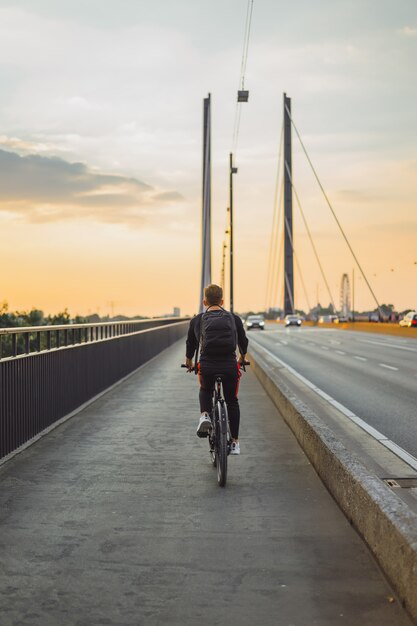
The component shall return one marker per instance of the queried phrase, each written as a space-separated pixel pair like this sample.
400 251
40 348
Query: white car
255 321
292 320
410 320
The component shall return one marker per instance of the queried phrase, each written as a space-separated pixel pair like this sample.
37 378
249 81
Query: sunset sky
100 148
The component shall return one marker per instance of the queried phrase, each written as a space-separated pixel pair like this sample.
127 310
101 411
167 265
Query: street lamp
233 170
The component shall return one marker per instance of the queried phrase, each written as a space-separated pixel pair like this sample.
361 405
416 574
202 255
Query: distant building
177 311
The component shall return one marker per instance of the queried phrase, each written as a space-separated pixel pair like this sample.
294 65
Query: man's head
213 296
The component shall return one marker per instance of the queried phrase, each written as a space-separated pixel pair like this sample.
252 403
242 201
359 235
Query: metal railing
24 340
53 370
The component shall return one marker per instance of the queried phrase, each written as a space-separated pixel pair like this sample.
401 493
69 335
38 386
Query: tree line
36 317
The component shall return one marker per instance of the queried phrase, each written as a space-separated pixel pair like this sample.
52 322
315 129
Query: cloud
168 196
45 189
357 195
23 145
408 31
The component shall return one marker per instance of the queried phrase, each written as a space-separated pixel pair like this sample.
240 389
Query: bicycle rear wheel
212 446
221 443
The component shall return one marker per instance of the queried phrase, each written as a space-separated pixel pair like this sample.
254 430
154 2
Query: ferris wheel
345 297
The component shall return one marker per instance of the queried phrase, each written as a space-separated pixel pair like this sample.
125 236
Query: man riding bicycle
216 333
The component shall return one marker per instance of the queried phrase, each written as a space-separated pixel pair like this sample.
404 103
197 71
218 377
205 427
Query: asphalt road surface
116 518
373 375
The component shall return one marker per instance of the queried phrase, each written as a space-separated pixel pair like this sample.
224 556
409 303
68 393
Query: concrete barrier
384 521
383 328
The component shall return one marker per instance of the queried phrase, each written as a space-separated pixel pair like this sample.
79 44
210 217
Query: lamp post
233 170
222 284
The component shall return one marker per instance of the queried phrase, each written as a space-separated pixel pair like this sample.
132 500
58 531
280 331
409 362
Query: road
116 518
374 376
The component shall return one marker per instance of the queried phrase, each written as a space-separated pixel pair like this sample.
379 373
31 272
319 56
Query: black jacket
194 334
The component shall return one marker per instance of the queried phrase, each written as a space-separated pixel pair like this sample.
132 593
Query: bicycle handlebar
192 369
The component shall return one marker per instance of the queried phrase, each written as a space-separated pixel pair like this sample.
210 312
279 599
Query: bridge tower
345 297
206 221
288 234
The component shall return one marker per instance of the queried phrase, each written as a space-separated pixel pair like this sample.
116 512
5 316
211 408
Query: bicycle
219 437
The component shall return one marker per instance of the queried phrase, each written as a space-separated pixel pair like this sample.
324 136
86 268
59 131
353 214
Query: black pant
229 371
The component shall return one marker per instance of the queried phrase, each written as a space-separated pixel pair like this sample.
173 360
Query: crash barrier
38 388
383 328
385 522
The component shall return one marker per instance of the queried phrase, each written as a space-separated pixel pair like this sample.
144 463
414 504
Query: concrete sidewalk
116 518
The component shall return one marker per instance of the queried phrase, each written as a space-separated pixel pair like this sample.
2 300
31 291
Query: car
292 320
374 317
327 319
409 320
255 321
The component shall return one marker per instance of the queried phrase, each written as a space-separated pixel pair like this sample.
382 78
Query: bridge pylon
288 217
345 308
206 217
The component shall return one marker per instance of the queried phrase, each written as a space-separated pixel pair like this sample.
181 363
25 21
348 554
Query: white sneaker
235 448
204 426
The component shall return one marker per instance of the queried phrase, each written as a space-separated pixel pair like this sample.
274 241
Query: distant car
410 320
255 321
292 320
327 319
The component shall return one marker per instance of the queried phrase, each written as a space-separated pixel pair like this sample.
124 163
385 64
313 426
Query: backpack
218 335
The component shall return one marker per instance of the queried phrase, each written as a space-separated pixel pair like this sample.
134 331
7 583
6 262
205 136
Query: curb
383 520
379 328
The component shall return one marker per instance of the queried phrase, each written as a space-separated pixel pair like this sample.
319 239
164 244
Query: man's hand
189 363
242 358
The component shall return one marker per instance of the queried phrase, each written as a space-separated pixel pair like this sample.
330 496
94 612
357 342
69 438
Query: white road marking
396 449
340 352
324 348
360 358
319 330
388 367
387 344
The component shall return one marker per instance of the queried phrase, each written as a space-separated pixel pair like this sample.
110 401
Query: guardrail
27 339
383 328
53 370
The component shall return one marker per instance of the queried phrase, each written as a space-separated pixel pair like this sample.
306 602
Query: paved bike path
116 518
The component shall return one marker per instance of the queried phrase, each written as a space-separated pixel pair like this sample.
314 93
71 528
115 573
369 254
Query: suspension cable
246 44
310 237
278 257
333 212
248 24
272 241
277 252
287 282
287 228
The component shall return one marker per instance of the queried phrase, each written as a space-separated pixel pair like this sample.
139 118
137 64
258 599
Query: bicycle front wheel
221 443
212 446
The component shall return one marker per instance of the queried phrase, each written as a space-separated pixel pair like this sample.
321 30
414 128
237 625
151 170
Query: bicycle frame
220 404
219 435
